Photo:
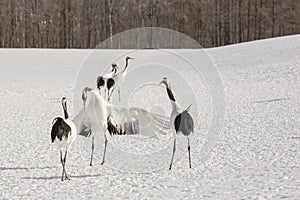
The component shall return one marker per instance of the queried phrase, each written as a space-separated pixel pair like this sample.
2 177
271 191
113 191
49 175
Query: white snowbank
257 155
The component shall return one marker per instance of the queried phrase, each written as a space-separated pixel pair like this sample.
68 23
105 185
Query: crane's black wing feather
59 129
100 82
184 123
110 83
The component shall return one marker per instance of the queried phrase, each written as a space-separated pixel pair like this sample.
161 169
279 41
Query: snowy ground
256 156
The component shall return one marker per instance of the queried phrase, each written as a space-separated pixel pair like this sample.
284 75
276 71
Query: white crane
100 113
116 80
181 121
102 80
63 133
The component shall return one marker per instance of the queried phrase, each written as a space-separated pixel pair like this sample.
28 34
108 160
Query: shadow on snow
24 168
59 177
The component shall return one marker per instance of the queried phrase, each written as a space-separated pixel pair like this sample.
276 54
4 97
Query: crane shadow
59 177
295 137
24 168
271 100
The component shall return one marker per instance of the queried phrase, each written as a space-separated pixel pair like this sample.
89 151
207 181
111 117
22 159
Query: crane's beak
130 58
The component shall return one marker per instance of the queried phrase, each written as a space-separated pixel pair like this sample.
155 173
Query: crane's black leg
119 94
107 93
109 96
189 150
174 148
105 144
91 163
62 163
65 158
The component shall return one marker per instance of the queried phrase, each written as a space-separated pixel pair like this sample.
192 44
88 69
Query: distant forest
85 23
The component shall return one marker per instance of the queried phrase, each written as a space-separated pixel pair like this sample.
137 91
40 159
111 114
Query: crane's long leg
91 163
189 150
174 148
65 158
119 94
107 93
105 144
62 163
109 96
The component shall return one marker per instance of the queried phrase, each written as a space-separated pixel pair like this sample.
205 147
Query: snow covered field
257 152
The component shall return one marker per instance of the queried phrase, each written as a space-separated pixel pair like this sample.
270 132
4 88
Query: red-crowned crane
115 82
181 121
63 133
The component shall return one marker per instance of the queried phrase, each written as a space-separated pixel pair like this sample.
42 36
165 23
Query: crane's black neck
170 94
65 111
126 64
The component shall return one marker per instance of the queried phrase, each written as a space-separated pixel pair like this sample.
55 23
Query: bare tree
85 23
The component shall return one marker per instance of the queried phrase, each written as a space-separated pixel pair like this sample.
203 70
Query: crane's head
64 101
114 67
165 82
128 58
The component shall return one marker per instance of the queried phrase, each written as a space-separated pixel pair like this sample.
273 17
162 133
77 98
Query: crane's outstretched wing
83 123
140 121
132 120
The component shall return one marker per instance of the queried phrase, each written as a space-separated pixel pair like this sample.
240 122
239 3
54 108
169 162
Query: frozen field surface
256 155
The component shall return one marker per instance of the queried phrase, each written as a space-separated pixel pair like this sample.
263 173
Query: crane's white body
109 75
118 78
96 104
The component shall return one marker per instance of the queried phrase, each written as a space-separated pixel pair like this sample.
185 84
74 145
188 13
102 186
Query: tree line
85 23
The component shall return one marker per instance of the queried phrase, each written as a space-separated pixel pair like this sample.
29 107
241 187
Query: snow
247 139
